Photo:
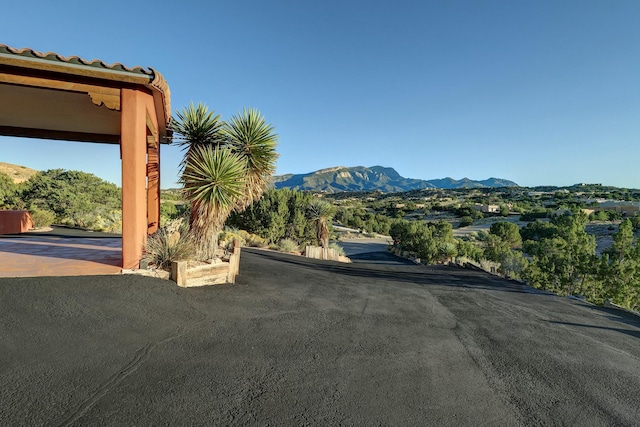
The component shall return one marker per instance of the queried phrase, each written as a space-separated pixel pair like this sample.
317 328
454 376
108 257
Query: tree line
558 255
287 214
72 198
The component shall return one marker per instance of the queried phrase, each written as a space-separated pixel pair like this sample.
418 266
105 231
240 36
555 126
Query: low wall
14 222
330 254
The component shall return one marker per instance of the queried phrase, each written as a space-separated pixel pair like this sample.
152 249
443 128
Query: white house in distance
487 208
624 207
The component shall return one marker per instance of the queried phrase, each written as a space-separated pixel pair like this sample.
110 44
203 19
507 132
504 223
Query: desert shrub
255 241
536 213
229 234
466 221
288 246
169 244
42 217
113 221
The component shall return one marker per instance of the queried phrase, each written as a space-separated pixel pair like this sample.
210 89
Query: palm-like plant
213 181
196 125
321 212
254 139
226 166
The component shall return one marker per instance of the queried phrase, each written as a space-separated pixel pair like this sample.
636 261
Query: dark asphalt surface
305 342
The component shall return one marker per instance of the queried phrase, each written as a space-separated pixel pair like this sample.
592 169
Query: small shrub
339 250
255 241
42 218
288 246
166 245
246 239
227 236
466 221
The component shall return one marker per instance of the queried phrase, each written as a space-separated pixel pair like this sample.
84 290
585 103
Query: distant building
623 207
487 208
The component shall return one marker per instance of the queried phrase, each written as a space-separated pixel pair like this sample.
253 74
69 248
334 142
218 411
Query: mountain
17 173
375 178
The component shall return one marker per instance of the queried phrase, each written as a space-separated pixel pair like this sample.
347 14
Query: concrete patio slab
59 254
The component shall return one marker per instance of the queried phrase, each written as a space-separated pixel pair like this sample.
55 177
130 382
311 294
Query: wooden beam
100 95
59 135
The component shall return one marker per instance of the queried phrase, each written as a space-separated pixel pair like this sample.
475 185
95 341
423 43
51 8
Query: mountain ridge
375 178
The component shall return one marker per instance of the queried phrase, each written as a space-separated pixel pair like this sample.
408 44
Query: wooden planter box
207 274
318 252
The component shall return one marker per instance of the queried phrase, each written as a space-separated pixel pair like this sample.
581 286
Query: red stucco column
153 187
133 148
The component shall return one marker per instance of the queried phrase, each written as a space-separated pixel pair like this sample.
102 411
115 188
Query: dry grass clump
168 244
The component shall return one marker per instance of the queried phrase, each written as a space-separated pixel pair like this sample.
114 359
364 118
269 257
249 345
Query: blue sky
539 92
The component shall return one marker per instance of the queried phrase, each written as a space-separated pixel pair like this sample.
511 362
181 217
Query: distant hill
16 172
375 178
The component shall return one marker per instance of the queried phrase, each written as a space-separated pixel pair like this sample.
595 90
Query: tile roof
52 56
155 79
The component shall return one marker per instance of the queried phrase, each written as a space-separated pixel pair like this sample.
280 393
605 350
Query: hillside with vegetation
16 172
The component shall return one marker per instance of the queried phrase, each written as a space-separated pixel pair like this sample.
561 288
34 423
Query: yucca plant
321 212
226 166
196 126
249 135
213 181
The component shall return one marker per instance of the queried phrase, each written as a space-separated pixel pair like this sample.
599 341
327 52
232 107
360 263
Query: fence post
234 262
179 273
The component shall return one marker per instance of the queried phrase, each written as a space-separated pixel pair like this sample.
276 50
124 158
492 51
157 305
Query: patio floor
60 253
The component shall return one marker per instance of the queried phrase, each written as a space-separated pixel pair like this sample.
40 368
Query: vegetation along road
307 342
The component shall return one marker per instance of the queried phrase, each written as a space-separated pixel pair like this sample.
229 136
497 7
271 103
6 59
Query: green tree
465 221
495 248
564 261
469 250
279 214
8 191
508 232
431 242
620 268
75 197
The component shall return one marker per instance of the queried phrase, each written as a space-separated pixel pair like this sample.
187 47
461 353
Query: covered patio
51 97
60 252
